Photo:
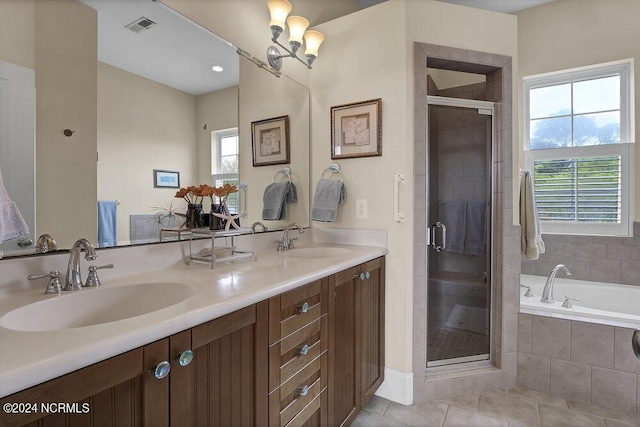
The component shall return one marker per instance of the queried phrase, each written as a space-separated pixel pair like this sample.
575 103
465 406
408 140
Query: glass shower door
459 212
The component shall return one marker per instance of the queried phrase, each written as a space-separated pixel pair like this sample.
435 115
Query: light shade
297 27
279 10
313 39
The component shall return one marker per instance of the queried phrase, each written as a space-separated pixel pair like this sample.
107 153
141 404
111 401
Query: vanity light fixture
298 34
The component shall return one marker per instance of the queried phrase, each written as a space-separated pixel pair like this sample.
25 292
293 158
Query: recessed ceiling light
217 68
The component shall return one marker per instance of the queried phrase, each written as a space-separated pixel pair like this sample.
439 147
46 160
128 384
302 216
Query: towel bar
285 171
397 215
334 168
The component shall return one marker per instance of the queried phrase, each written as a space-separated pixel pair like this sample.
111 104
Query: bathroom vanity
306 349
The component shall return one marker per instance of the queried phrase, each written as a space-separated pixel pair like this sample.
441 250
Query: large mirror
122 113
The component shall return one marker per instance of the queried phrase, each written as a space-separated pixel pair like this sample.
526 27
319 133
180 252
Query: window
224 163
578 142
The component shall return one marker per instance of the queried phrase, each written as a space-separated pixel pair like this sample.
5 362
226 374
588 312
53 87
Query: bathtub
603 303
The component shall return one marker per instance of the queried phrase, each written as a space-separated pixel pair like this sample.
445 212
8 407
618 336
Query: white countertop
30 358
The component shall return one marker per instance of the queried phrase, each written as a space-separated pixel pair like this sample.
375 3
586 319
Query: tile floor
507 408
448 344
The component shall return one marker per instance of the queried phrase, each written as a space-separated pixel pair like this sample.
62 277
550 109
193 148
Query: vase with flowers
194 215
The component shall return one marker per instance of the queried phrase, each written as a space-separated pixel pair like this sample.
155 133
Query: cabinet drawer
285 361
289 400
292 310
314 414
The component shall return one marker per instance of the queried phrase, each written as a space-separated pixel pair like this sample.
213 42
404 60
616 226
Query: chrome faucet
45 244
547 293
258 224
74 280
286 243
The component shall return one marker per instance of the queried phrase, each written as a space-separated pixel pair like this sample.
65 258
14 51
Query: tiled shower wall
601 259
579 361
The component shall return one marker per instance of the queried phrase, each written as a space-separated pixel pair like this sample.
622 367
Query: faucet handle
529 293
93 281
567 301
54 286
291 246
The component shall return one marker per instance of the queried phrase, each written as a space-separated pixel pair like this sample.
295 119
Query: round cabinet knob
162 369
367 275
304 308
304 350
304 391
185 357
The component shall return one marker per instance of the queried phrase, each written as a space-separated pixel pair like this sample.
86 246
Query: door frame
490 108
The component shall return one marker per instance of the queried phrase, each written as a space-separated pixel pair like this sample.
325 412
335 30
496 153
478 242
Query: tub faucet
286 243
74 280
547 293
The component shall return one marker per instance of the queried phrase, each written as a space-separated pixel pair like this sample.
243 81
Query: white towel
12 225
531 243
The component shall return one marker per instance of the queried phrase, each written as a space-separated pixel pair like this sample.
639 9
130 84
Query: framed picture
270 140
356 129
166 179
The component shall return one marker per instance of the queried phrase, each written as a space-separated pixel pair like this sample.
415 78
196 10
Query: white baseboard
397 386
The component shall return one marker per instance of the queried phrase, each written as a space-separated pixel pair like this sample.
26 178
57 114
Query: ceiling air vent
141 24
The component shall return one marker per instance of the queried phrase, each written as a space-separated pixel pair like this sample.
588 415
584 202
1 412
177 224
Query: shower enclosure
459 212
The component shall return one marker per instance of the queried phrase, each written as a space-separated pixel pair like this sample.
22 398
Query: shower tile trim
505 245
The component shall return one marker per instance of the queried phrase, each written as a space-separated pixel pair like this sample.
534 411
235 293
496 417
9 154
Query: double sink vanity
292 338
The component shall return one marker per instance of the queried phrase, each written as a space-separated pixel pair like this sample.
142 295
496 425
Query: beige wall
16 32
350 70
143 125
573 33
218 111
66 97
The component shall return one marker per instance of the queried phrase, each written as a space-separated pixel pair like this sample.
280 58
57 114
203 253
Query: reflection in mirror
150 102
264 96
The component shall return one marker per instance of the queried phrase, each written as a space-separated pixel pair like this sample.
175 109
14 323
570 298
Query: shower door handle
433 241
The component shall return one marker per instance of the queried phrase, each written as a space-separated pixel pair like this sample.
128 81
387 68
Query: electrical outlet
361 208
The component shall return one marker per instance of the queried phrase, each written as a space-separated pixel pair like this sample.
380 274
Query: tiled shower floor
506 408
448 344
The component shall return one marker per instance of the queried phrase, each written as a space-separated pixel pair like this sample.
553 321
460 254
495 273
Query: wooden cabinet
309 357
356 344
224 385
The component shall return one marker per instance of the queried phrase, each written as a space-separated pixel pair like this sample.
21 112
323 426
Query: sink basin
317 253
90 307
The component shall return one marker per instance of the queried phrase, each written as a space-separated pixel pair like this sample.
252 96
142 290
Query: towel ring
334 168
285 171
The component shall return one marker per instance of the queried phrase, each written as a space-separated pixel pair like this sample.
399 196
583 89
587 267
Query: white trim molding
397 386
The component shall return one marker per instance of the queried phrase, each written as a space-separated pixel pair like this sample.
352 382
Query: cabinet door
107 393
344 354
231 369
370 293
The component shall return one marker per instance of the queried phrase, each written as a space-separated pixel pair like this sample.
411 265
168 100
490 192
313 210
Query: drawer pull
185 357
304 390
363 276
304 308
162 369
304 350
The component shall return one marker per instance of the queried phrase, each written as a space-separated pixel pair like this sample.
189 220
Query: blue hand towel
326 198
107 229
454 217
476 229
275 198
